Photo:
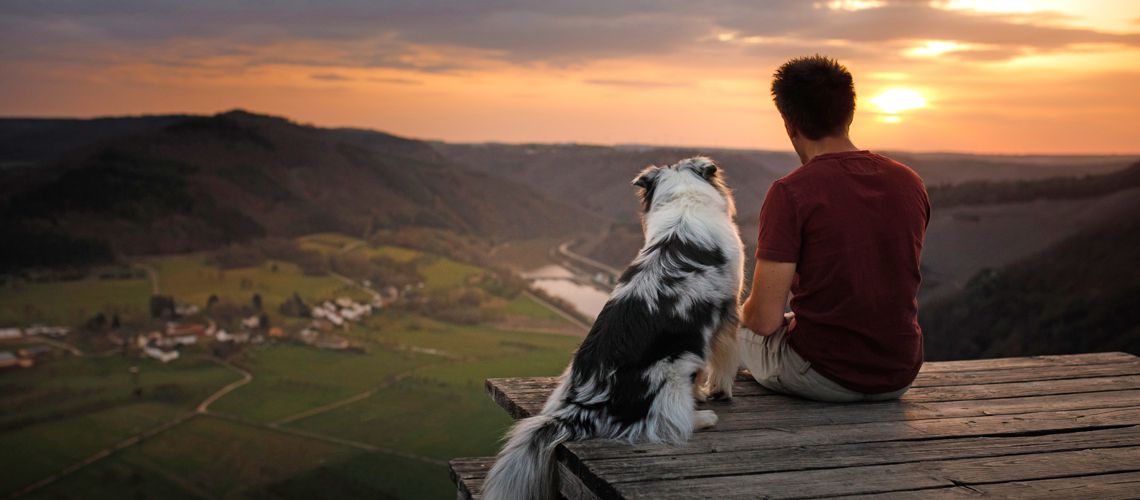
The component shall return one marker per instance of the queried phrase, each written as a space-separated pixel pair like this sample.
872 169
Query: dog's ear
708 170
646 177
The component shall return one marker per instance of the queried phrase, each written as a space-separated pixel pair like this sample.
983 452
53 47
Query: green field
442 412
427 403
69 409
191 280
70 302
290 379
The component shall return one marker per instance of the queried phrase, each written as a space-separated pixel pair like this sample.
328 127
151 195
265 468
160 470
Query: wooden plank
911 430
527 404
468 475
896 477
794 457
1119 486
1026 374
1096 358
792 412
519 395
571 487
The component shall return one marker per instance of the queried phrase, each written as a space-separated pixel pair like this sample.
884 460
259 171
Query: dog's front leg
724 360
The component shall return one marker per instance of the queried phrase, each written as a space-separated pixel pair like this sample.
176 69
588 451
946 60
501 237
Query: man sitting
843 232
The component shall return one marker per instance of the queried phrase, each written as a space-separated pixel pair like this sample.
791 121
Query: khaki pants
777 367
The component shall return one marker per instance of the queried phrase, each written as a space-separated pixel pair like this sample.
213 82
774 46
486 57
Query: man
843 232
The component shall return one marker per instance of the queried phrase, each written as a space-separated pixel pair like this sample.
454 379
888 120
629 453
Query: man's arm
763 312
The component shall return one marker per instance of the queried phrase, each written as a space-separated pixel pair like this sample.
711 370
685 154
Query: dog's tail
525 469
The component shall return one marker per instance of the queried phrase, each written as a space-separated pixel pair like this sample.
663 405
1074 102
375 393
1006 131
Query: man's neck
825 145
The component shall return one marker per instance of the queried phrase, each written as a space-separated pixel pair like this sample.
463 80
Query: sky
1006 76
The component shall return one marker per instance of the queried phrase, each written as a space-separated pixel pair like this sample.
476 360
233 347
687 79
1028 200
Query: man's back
854 224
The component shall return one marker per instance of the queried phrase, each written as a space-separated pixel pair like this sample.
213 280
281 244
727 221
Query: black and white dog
639 370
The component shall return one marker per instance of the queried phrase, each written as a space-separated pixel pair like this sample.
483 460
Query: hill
1080 295
185 184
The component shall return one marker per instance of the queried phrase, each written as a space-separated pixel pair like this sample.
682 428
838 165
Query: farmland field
70 302
380 422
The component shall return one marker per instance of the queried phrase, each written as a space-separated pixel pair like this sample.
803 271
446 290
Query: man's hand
763 312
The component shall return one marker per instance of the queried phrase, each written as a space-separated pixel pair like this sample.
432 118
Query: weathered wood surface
1047 426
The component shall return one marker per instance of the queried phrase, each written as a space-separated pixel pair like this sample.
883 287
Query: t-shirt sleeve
779 239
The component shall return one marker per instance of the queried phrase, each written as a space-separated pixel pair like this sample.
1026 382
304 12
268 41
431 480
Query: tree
162 306
256 301
211 301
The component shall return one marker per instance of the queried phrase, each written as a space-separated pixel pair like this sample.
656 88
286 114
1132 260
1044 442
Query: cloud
444 36
638 84
330 77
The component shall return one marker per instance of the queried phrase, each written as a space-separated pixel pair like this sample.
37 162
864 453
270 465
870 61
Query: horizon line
561 143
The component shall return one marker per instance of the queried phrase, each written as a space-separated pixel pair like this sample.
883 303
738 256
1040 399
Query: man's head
816 97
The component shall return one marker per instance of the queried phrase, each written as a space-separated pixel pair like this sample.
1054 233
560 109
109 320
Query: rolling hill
179 184
1080 295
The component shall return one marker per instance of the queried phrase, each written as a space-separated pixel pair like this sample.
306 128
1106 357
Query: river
559 282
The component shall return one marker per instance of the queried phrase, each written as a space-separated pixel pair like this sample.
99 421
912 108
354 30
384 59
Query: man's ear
790 129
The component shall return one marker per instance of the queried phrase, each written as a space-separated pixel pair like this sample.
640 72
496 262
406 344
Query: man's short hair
816 94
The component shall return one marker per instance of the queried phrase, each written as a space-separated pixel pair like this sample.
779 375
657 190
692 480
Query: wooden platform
1049 427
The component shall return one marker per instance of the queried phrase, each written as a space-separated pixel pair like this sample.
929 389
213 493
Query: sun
896 100
893 101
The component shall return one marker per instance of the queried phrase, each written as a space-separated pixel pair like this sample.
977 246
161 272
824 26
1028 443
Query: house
276 332
319 312
251 322
7 359
48 331
165 356
344 302
185 339
335 319
241 337
185 309
10 333
35 352
223 336
179 329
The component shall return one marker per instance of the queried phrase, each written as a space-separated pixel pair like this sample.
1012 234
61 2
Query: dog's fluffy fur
675 307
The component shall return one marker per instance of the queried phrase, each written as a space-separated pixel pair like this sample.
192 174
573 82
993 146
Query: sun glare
896 100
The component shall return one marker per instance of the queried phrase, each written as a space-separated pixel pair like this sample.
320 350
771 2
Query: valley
239 305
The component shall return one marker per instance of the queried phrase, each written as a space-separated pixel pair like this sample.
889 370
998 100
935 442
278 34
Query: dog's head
697 176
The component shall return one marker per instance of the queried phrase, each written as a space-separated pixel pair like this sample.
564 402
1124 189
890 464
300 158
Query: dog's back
633 377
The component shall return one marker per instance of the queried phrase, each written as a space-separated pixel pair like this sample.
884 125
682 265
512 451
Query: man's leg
777 367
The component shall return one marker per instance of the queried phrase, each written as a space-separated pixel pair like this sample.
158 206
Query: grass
290 379
68 409
191 280
442 411
441 273
222 458
70 302
115 477
367 475
527 307
69 386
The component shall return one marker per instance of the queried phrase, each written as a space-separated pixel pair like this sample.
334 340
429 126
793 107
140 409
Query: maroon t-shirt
853 223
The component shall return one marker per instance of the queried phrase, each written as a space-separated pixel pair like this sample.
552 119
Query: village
188 325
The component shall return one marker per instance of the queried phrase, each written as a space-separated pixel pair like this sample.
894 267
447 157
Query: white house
161 355
251 322
223 335
10 333
186 339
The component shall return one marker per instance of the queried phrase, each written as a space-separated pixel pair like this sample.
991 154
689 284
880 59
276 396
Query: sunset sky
1050 76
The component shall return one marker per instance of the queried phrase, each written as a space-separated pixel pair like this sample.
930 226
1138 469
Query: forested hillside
1082 295
200 182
